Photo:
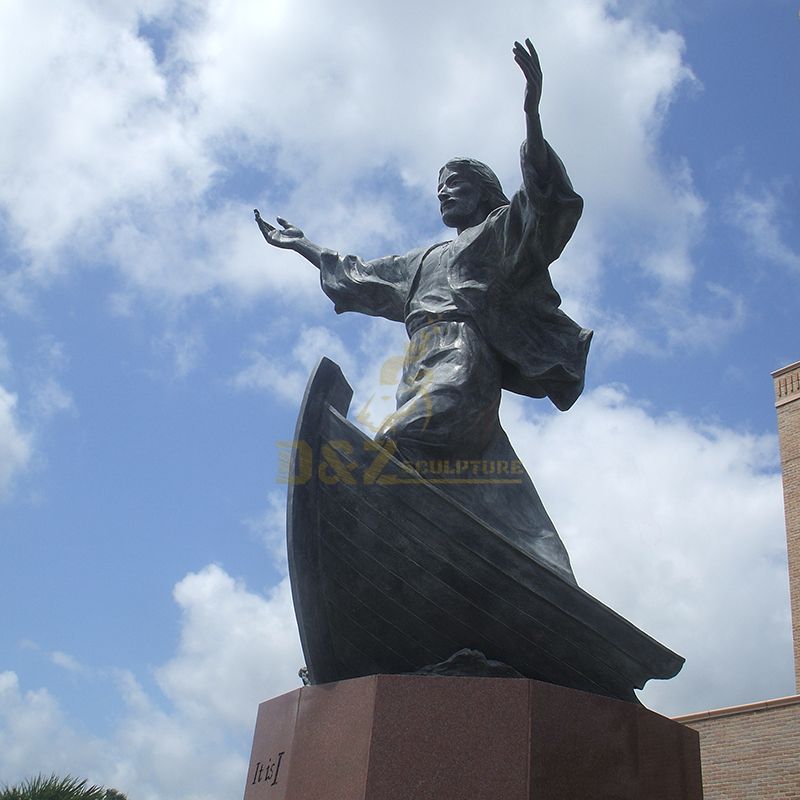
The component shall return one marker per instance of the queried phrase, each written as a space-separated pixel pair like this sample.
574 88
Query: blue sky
153 349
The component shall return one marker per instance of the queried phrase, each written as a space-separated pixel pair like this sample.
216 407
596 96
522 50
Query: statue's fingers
526 67
523 58
284 223
534 55
264 225
521 49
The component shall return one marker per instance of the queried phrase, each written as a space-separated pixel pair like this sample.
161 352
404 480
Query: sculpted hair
483 177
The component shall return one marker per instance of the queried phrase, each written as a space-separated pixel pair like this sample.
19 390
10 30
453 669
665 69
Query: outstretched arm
525 55
379 287
290 238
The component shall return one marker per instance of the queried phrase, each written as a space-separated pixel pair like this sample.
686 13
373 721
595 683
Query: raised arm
525 55
290 238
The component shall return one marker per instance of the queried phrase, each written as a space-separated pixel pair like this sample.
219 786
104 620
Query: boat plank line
357 610
367 634
491 628
412 642
442 633
356 556
609 618
612 670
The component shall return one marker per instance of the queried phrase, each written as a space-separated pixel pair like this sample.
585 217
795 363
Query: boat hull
390 575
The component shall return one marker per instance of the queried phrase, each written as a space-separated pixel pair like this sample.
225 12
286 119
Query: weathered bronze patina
399 566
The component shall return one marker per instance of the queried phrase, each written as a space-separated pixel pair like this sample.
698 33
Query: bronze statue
397 566
481 315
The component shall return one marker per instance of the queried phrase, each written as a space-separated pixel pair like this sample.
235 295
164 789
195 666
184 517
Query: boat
390 575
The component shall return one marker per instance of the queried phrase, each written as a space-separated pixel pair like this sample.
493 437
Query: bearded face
460 200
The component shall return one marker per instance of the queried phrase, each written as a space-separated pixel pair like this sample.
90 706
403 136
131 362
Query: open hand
525 55
288 238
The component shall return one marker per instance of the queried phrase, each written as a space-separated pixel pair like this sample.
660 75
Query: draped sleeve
543 351
378 287
540 219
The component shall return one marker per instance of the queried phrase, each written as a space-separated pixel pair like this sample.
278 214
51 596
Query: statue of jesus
481 315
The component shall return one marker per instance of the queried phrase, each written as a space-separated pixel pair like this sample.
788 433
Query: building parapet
787 383
747 708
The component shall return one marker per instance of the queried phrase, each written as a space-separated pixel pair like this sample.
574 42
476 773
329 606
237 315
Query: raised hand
288 238
525 55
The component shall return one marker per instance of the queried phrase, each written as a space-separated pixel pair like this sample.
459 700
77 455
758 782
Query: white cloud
694 329
344 125
608 85
184 348
262 373
270 525
182 247
236 649
5 362
47 395
758 218
677 525
16 447
93 129
66 661
286 376
229 631
611 77
35 736
25 413
50 398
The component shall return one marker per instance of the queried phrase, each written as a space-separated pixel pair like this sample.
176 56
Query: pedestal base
418 738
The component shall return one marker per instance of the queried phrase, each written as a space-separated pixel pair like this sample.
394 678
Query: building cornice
732 711
787 384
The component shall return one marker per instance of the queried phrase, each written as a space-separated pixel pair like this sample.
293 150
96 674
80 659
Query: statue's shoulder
417 256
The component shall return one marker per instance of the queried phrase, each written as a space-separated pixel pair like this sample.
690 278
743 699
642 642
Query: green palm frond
55 788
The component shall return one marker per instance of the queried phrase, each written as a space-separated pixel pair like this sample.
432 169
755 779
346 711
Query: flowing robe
482 315
498 274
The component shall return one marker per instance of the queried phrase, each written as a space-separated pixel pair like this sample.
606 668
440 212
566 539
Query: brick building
752 752
787 403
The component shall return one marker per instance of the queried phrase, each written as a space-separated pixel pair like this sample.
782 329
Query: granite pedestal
419 738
